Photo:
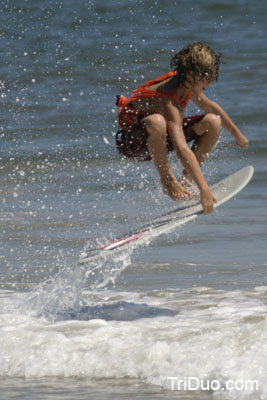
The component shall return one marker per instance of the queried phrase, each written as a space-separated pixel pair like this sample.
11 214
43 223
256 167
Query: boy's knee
214 123
155 122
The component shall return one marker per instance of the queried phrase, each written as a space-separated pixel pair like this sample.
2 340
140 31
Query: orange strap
142 92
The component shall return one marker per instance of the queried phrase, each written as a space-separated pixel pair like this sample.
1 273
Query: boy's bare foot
175 189
186 182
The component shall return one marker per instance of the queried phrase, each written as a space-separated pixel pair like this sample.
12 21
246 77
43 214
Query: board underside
223 191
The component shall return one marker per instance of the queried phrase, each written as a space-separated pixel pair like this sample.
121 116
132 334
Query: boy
151 122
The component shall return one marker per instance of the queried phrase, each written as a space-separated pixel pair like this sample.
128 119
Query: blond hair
199 60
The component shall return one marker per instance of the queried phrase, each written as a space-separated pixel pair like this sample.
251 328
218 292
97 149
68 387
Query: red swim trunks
131 139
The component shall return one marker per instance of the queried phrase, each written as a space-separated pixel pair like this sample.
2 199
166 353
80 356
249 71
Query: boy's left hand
242 141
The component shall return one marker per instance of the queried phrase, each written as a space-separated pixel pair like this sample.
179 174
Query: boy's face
198 84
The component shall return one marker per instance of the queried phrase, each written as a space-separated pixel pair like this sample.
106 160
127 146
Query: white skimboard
223 191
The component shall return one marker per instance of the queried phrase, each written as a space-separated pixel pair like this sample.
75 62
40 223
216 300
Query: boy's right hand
241 141
207 200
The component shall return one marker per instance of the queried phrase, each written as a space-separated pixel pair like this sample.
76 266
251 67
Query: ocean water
189 307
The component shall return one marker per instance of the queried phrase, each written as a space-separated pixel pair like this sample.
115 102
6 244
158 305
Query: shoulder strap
157 80
142 92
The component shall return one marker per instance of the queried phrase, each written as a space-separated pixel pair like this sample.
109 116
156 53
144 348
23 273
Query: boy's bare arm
186 155
188 160
210 106
174 121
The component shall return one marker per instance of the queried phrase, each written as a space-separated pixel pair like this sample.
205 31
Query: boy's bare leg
155 125
208 131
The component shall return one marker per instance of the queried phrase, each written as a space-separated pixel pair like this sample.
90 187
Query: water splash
64 291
